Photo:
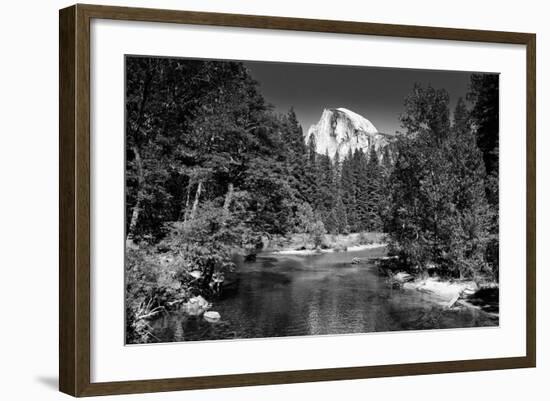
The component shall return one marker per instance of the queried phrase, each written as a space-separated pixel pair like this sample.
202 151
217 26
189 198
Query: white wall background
29 185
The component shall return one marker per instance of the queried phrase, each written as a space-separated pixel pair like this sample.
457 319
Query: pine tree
484 94
348 185
339 209
439 212
484 119
471 236
310 182
294 136
375 180
295 153
326 200
362 190
461 118
427 110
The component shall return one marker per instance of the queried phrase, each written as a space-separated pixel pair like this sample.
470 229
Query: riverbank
327 294
299 244
452 294
306 252
447 293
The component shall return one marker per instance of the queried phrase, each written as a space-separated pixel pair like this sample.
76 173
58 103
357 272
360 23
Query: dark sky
375 93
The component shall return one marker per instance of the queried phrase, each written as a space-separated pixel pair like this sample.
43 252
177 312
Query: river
291 295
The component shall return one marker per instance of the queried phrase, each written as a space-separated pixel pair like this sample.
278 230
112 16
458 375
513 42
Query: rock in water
211 316
341 130
403 277
196 306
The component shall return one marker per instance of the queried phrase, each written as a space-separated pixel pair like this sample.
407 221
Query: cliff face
341 130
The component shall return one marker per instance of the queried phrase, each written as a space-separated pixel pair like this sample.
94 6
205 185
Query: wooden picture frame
74 200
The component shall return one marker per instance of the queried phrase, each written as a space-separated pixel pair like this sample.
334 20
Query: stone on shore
196 274
403 277
449 292
211 316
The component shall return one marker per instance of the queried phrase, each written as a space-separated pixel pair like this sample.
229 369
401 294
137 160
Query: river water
291 295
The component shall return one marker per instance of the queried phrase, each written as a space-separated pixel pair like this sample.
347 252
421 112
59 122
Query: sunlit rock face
341 130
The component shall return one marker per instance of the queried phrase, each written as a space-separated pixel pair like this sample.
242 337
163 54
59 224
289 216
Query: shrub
318 233
364 238
340 248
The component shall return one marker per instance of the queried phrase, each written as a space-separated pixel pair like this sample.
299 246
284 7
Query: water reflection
315 295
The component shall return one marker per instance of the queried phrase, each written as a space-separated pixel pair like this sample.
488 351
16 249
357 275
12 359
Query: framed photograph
250 200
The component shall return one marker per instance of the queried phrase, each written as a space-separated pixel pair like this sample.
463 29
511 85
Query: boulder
196 274
396 285
196 306
251 257
211 316
403 277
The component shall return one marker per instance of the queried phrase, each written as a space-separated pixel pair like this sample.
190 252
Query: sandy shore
445 291
305 252
449 294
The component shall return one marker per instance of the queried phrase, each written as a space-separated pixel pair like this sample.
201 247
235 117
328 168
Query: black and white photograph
275 199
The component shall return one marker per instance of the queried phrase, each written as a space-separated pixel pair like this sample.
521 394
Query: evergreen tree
362 190
484 94
349 198
375 182
311 174
294 136
296 155
339 209
461 118
427 110
439 212
325 203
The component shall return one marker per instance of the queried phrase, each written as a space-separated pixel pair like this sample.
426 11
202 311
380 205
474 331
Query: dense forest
212 170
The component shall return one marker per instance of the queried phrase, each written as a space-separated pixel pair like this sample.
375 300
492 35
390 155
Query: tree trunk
196 201
140 194
227 202
139 162
228 197
186 206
